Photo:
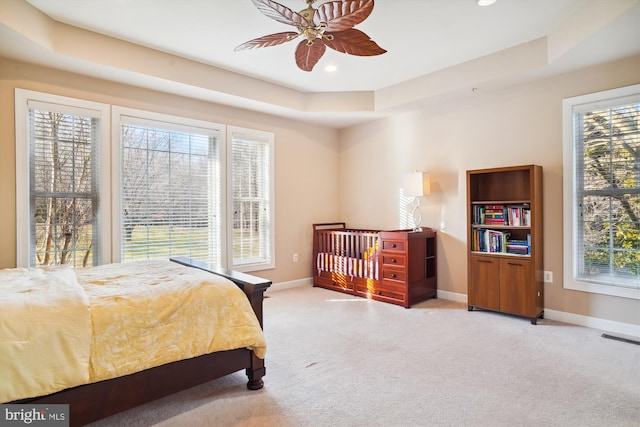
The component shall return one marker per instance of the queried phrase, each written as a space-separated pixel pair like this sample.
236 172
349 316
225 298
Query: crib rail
351 252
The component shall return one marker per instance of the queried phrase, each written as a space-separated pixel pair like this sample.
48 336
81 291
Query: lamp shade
416 184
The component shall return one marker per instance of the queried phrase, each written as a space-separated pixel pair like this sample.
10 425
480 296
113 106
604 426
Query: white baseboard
452 296
593 322
275 287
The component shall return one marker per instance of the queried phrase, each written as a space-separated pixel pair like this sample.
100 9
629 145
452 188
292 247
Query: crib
345 256
391 266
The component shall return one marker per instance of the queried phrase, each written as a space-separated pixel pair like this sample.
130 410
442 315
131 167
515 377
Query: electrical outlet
548 277
295 257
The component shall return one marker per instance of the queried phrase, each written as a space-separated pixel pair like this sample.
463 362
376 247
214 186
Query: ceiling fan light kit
330 25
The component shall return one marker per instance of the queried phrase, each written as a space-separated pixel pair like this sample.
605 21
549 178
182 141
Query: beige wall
521 125
306 157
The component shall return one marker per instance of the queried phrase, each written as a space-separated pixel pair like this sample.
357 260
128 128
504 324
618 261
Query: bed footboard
254 287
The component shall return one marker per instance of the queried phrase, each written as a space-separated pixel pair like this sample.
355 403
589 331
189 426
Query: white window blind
252 199
64 185
606 202
170 191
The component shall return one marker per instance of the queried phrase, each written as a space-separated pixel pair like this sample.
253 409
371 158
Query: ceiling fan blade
354 42
342 15
308 55
280 13
266 41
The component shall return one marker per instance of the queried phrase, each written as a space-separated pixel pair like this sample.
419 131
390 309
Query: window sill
596 288
248 268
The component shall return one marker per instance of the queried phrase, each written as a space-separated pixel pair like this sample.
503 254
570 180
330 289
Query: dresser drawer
392 286
399 276
393 245
383 292
393 260
333 281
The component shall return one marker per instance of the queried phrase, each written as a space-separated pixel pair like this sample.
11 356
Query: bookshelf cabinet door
484 283
517 294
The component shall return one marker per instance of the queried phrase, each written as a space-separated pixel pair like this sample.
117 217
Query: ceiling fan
330 25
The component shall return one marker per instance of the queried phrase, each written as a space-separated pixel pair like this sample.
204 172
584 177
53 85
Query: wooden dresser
398 267
407 267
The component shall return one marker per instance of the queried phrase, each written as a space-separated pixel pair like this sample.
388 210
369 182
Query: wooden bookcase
504 240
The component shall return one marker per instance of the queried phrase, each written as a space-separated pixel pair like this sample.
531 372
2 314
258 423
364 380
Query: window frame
570 106
168 122
24 99
263 137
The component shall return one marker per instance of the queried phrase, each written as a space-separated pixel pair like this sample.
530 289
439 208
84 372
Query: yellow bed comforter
45 332
114 320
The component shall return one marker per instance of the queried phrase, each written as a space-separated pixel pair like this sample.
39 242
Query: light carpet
337 360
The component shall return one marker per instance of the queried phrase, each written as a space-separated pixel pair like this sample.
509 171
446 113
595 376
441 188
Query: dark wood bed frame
91 402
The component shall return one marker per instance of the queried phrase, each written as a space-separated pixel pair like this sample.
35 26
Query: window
151 186
170 188
175 175
252 231
60 210
602 192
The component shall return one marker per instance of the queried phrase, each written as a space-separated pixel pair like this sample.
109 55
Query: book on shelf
519 247
487 214
486 240
509 215
495 241
519 216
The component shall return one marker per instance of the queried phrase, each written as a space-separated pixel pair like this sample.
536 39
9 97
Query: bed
101 366
394 266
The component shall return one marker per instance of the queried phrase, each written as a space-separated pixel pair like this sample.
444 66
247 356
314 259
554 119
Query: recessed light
486 2
331 68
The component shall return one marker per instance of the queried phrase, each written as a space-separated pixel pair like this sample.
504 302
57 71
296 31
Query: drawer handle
393 275
515 264
393 245
484 260
393 260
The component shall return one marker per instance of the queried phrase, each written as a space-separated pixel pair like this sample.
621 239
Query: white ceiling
435 48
